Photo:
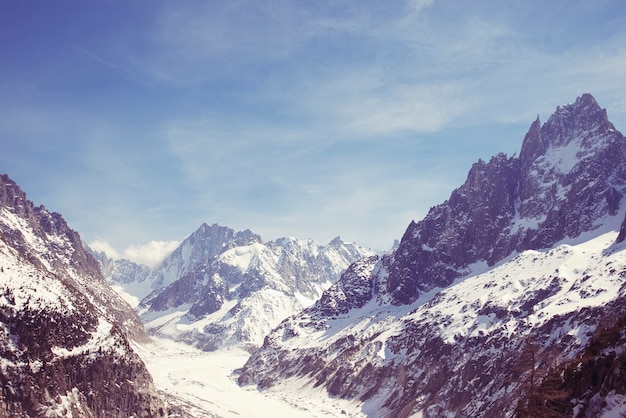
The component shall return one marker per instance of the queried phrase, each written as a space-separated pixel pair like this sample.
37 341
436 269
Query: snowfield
204 384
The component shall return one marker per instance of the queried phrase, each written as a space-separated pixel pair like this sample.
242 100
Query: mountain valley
508 299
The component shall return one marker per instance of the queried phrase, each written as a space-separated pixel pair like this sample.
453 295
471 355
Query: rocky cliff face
235 297
420 331
571 172
593 384
64 333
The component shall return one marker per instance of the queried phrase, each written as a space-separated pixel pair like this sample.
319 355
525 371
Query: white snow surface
615 406
582 275
31 287
206 385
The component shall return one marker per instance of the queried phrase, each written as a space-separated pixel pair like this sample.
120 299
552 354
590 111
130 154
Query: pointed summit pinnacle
570 122
533 145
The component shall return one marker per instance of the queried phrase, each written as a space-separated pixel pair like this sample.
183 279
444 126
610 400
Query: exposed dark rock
570 173
64 332
353 290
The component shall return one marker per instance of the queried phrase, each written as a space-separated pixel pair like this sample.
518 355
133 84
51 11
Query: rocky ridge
569 174
64 333
525 250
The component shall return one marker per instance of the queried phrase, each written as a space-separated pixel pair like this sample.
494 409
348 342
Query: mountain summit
570 174
222 288
516 272
235 295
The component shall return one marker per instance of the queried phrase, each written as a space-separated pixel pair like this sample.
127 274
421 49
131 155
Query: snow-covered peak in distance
136 281
237 296
206 242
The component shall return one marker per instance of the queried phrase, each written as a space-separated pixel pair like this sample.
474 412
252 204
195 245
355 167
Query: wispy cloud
301 119
150 253
415 65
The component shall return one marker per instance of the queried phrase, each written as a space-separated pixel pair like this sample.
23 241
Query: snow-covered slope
513 273
237 296
64 332
461 350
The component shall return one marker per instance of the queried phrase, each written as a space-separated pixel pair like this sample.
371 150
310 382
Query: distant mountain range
221 288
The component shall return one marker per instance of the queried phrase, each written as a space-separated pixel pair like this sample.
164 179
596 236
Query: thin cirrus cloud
307 119
419 72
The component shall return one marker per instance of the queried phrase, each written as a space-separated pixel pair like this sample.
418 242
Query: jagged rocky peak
64 333
533 145
581 120
247 289
214 239
47 241
206 242
571 172
531 290
45 225
13 198
210 241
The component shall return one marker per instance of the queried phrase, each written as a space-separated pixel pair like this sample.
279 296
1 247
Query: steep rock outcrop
590 385
64 348
571 172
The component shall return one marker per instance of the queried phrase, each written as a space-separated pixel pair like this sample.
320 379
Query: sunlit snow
206 385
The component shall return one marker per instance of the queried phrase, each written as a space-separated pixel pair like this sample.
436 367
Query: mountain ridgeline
570 173
508 299
513 274
221 288
64 333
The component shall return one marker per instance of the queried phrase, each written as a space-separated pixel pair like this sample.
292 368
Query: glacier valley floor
204 384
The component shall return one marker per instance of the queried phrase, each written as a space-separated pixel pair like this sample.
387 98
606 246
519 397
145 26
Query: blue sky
139 120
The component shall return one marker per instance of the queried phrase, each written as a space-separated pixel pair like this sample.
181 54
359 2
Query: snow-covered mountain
136 281
64 333
205 243
243 287
515 273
